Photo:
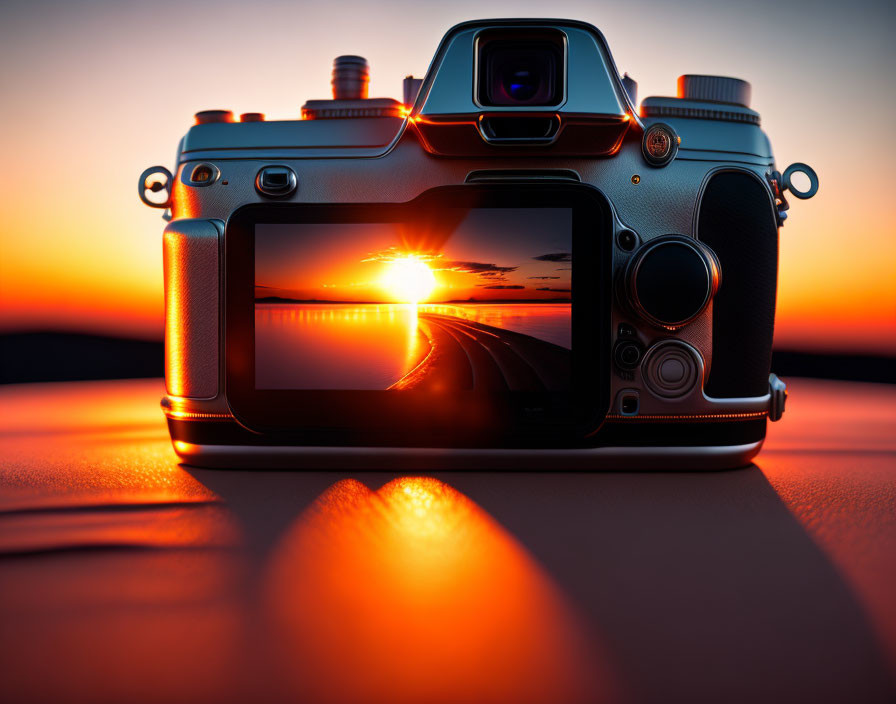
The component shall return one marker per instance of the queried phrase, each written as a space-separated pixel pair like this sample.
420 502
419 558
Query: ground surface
125 577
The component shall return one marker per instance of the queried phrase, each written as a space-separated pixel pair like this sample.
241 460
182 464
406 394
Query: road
468 355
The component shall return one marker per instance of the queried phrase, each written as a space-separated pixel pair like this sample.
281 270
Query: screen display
477 300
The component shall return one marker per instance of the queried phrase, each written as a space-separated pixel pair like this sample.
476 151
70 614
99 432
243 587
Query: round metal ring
144 185
799 167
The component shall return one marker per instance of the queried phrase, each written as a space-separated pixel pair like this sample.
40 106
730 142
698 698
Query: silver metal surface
593 85
192 341
146 183
431 459
777 390
351 77
716 89
800 168
380 160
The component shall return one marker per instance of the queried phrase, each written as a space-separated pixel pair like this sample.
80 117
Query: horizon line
281 299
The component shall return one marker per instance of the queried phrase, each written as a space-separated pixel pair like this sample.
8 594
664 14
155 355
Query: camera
512 267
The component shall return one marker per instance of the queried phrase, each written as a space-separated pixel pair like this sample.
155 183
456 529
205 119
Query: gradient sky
94 92
492 254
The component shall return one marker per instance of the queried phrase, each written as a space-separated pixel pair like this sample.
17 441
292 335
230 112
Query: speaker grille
737 221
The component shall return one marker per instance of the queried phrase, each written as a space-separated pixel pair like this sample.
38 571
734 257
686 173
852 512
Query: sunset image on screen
476 300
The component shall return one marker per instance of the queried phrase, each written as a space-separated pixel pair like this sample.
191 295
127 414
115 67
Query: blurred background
94 91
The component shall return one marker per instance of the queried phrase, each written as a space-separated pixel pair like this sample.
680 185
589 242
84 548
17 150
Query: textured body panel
738 221
318 136
712 136
191 308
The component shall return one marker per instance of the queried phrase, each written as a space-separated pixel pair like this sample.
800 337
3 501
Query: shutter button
276 181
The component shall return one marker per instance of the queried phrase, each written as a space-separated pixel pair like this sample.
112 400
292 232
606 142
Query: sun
408 279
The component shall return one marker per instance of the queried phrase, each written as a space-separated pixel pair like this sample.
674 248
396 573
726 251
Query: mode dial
716 89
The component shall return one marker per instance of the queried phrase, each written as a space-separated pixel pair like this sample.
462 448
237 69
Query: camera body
510 269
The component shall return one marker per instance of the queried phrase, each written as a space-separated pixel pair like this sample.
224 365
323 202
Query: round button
670 369
202 175
659 145
208 117
627 240
672 279
627 354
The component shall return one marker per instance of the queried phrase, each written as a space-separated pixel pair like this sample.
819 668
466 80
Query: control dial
715 89
670 369
671 279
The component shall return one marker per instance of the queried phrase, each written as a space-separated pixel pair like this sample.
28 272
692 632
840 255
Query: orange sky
508 254
96 91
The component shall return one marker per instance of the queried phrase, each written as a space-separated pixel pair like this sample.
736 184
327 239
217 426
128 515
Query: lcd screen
479 300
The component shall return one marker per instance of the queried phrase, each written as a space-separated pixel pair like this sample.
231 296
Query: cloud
481 268
505 286
558 290
555 257
436 263
394 253
544 277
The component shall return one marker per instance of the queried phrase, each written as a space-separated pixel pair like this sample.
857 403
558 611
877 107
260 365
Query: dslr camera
512 267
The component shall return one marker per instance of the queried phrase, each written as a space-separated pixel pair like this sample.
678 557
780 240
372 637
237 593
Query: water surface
351 346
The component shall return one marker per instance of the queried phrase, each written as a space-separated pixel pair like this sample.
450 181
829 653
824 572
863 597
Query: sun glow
408 279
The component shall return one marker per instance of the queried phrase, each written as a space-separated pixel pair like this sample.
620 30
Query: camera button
208 117
660 144
627 354
627 240
672 371
202 175
628 405
276 181
625 330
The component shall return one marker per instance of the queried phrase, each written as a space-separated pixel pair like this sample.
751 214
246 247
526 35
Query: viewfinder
521 69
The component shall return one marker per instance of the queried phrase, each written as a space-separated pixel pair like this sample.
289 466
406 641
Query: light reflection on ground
414 593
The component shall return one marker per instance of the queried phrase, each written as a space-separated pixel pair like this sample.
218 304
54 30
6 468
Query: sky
492 254
95 91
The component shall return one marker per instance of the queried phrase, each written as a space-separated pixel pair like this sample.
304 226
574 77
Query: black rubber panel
672 283
624 433
737 221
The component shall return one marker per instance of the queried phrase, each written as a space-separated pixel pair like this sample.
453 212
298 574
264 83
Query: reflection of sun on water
408 279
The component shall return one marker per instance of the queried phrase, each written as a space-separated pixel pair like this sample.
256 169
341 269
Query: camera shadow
698 586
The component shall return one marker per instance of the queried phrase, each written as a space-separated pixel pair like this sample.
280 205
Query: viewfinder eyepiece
520 69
